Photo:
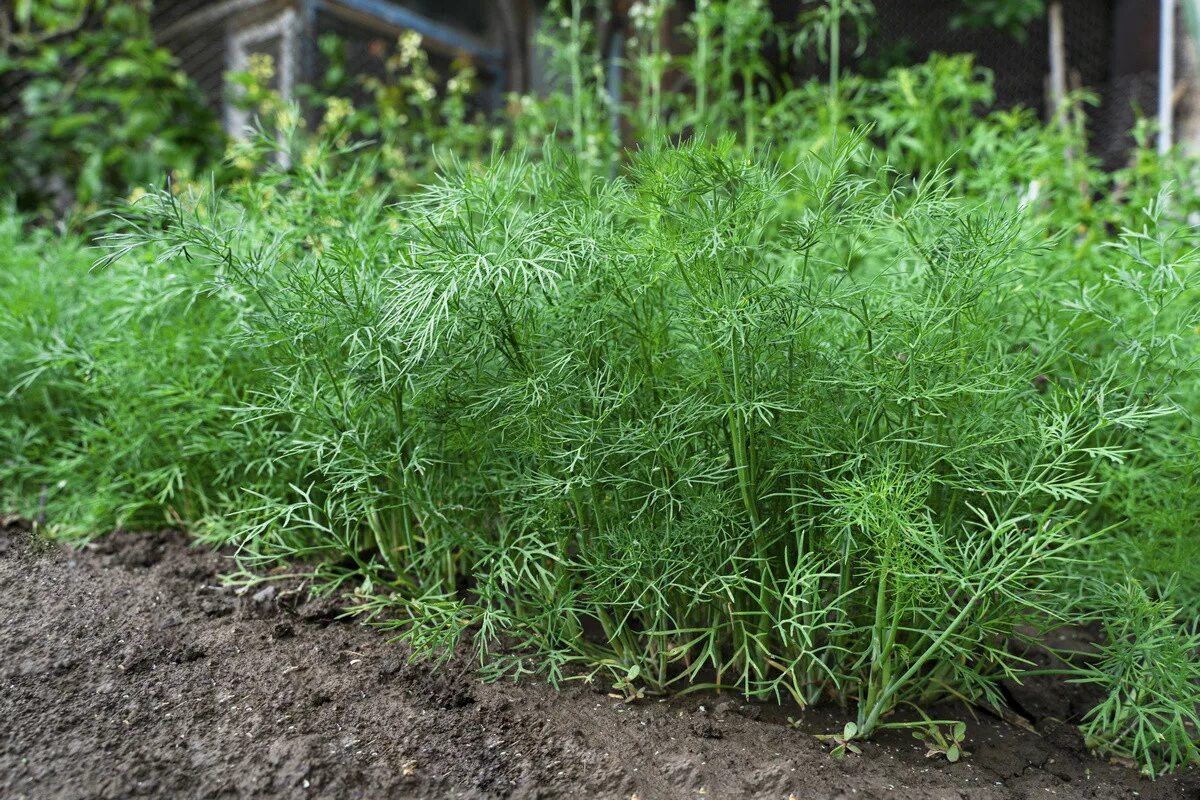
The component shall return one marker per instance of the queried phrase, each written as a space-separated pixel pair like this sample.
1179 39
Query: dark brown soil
128 671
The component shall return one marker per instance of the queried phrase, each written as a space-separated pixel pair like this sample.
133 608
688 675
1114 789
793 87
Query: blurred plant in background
405 118
1011 16
101 109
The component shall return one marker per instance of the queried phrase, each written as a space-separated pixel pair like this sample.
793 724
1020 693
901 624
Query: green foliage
843 742
947 743
114 402
1010 16
788 432
716 77
823 392
1148 668
408 115
924 114
100 109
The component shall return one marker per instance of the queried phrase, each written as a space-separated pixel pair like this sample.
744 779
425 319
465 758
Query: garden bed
128 670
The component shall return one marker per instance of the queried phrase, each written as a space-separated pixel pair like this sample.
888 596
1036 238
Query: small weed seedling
947 744
942 737
626 688
842 742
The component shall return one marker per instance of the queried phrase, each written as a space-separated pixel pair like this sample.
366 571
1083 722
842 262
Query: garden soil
128 670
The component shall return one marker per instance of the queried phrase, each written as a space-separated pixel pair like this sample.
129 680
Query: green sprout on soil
843 742
947 744
627 688
941 737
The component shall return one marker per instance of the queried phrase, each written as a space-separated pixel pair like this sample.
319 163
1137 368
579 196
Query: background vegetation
99 109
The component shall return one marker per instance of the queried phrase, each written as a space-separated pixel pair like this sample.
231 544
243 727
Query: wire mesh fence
1110 47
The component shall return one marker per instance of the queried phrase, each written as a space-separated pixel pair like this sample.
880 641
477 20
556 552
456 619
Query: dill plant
115 389
1148 669
290 253
712 423
829 421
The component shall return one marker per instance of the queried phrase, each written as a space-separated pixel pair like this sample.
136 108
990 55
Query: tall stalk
703 17
835 60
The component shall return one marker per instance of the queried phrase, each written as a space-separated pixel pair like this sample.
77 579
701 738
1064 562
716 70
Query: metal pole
1166 73
1058 63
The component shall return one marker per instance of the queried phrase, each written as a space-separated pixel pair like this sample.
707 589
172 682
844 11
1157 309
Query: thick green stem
576 55
870 719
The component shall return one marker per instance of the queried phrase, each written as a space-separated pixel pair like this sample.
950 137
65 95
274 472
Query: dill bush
113 409
806 432
1148 668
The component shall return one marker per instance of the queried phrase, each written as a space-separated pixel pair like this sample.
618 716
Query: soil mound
129 671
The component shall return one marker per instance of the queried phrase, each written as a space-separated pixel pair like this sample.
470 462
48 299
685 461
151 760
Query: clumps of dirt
128 670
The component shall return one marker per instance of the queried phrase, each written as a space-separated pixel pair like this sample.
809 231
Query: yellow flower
423 89
410 47
287 118
337 110
261 67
